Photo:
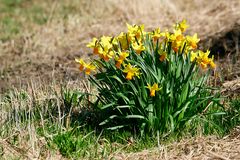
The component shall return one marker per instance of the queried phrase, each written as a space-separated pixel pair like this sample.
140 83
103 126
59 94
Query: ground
40 40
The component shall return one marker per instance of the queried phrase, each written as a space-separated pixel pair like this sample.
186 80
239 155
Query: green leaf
108 105
184 94
116 127
135 116
108 120
123 106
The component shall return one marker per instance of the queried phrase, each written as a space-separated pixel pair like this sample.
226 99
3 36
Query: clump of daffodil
131 71
153 89
125 68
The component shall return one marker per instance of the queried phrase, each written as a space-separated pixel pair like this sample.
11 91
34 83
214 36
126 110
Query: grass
26 121
37 120
67 26
34 121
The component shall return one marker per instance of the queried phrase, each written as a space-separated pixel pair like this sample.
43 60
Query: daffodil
156 34
81 62
153 89
131 71
163 56
211 63
203 60
106 43
138 47
120 58
182 25
177 40
122 38
193 56
203 56
106 55
135 31
94 44
89 68
115 41
165 35
192 41
177 35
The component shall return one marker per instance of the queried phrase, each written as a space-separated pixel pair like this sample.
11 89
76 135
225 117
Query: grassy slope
43 37
51 34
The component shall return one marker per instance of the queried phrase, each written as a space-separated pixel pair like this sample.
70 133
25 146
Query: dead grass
193 148
48 50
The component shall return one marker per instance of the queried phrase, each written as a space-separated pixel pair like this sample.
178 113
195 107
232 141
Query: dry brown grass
200 148
48 50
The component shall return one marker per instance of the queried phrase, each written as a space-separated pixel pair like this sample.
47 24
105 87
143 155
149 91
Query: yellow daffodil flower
156 34
121 57
177 40
211 63
153 89
135 31
106 43
193 56
203 57
89 68
106 56
131 71
203 60
122 38
115 41
163 56
82 63
138 47
177 35
94 44
182 25
192 41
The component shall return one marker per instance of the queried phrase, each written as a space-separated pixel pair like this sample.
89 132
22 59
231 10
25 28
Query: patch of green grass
12 3
16 15
84 143
9 27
